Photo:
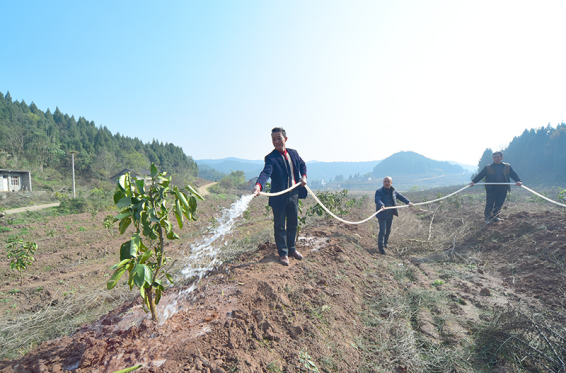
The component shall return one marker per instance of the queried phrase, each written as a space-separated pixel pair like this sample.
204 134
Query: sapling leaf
146 256
115 277
118 265
124 202
124 224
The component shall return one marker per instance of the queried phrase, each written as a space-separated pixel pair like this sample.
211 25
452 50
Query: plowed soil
328 312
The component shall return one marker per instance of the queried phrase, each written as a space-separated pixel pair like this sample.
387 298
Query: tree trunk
151 301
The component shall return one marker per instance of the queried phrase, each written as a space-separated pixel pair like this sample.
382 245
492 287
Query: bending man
385 197
497 172
286 168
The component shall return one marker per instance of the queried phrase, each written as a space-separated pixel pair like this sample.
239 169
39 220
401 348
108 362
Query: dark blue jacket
489 173
380 197
276 169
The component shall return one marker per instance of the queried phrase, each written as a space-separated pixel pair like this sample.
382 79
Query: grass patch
21 333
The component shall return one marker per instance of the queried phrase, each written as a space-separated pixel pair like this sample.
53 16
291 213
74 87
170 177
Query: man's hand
519 183
303 180
472 183
382 208
256 190
410 204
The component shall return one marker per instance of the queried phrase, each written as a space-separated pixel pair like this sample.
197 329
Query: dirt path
203 190
31 208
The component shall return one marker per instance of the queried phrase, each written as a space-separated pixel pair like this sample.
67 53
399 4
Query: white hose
396 207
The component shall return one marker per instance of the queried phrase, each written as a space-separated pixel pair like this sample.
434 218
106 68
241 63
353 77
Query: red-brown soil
327 312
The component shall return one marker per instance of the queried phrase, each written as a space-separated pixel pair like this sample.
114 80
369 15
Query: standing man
286 168
384 197
497 172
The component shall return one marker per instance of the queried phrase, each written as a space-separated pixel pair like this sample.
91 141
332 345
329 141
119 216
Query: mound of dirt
254 315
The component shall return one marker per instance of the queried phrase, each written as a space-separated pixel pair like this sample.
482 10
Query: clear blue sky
349 80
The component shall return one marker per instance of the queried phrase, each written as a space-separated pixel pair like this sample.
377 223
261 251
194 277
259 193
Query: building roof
8 170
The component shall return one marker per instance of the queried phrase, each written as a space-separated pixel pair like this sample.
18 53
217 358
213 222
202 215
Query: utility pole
73 152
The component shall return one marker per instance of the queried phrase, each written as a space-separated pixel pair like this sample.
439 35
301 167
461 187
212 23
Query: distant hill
410 168
251 168
315 170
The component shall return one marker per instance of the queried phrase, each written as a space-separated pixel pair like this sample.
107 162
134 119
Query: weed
274 366
15 291
307 362
82 229
437 283
5 229
51 233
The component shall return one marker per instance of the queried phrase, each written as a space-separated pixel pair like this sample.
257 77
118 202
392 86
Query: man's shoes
284 260
497 220
381 251
487 221
297 255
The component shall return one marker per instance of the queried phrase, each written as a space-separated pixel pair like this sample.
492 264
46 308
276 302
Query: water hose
396 207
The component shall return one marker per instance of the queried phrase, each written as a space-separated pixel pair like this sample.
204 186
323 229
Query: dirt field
344 308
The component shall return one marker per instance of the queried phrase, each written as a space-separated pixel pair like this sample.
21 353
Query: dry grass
530 341
21 333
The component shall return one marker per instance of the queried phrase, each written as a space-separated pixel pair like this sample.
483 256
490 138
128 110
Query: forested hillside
32 139
538 155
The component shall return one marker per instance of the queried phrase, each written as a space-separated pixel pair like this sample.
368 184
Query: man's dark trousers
285 238
384 231
495 197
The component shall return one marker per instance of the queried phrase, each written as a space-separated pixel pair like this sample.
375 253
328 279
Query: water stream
205 255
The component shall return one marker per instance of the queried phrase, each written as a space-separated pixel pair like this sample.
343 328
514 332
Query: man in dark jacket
286 168
497 172
385 197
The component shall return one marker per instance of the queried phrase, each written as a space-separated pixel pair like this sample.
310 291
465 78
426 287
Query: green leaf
166 224
183 200
142 292
118 196
157 295
135 244
115 277
118 265
169 278
153 171
193 203
124 202
124 224
188 215
172 235
131 276
193 191
123 215
141 184
146 256
120 183
126 251
143 275
179 214
139 275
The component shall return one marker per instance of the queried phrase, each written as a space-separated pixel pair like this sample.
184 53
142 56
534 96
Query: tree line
538 155
32 139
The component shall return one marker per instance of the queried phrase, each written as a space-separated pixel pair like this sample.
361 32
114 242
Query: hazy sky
349 80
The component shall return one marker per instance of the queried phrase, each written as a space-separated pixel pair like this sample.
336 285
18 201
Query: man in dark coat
384 197
286 168
497 172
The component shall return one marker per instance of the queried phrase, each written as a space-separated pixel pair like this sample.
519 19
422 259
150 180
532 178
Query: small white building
14 180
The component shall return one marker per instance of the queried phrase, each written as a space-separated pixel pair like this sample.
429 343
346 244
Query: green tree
148 207
20 253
